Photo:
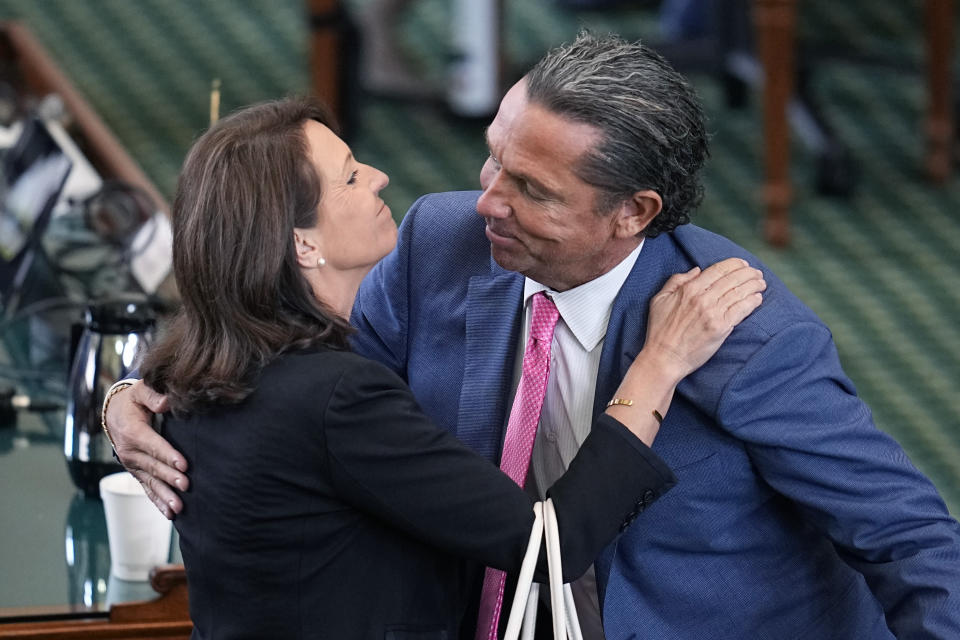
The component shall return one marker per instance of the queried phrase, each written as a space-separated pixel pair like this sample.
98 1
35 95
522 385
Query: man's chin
505 258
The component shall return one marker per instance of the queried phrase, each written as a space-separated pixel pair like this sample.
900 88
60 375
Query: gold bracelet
114 390
629 403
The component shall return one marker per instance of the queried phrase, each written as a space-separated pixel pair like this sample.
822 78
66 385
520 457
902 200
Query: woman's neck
337 289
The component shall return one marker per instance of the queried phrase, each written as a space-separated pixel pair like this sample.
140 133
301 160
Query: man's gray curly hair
651 121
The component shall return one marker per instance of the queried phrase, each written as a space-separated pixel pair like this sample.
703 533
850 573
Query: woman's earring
321 262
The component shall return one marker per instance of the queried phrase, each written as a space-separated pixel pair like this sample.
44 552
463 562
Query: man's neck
615 261
613 257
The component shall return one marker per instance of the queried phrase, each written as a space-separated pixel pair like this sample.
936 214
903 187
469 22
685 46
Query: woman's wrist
638 418
660 367
644 396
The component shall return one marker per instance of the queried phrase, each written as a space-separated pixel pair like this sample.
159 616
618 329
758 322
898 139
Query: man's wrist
114 389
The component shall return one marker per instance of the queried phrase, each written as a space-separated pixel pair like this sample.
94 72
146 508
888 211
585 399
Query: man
793 516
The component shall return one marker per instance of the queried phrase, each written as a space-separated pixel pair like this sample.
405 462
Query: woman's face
355 228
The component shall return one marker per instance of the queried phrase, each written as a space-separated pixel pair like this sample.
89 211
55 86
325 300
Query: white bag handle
523 612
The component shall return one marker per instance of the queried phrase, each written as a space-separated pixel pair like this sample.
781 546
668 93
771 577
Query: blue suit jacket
793 516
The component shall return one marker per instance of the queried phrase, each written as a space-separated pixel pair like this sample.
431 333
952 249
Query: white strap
573 621
555 571
526 576
523 612
530 615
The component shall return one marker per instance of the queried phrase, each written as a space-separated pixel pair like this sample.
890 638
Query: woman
323 503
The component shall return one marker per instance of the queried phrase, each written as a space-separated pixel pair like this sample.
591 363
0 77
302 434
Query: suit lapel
626 333
492 322
492 326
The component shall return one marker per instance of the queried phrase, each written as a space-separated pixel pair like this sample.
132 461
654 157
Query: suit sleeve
388 460
813 440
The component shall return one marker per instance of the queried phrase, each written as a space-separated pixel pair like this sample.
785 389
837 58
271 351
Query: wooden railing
41 75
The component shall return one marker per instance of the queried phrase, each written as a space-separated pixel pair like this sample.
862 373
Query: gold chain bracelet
114 390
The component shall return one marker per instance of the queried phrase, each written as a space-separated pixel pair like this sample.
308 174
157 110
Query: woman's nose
379 180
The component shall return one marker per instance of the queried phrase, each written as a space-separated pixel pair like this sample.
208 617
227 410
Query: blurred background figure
386 68
473 81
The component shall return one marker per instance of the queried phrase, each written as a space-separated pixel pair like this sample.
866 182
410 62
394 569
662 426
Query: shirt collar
586 309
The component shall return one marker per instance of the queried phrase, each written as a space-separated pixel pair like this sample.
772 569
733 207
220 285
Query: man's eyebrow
539 186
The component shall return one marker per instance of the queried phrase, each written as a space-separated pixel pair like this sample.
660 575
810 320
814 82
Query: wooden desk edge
166 616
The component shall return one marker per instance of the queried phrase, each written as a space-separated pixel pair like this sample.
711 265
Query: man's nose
493 202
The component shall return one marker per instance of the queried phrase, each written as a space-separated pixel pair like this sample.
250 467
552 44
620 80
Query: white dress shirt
567 413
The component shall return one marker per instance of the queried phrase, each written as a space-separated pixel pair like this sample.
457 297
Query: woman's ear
636 212
307 244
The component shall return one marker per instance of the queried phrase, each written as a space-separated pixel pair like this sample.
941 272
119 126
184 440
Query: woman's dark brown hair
246 183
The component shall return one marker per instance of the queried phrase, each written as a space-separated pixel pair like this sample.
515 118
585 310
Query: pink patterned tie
518 444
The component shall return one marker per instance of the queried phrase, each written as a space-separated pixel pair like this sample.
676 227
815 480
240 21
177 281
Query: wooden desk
164 617
54 555
776 22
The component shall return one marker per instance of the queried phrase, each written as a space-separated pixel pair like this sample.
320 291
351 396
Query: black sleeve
387 459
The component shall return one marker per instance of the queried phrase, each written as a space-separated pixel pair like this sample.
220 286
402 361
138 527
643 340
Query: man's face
541 218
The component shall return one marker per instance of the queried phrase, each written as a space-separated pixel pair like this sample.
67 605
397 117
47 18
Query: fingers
715 274
166 500
145 460
743 308
728 282
129 421
150 453
692 315
150 399
679 279
742 291
150 458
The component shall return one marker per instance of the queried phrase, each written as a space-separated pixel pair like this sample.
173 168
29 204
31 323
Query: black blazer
326 505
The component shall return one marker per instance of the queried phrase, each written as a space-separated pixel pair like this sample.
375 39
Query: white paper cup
138 533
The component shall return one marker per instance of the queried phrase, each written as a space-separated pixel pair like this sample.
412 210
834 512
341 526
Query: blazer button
648 498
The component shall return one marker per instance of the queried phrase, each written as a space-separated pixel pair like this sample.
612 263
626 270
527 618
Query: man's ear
636 212
307 244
